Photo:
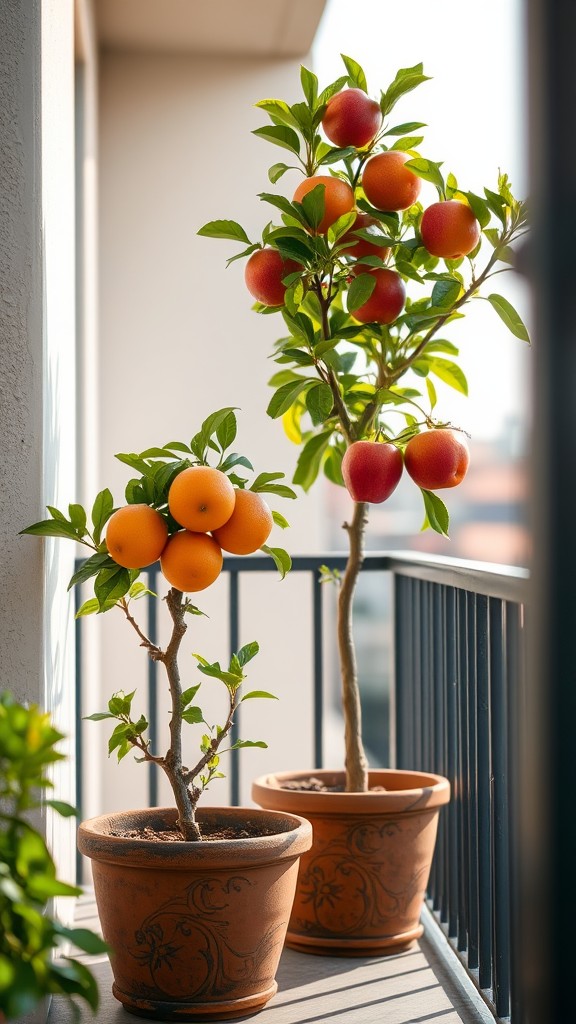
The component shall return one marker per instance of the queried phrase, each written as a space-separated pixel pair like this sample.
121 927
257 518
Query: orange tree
184 512
366 280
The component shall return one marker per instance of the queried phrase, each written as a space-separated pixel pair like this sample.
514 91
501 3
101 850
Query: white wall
178 340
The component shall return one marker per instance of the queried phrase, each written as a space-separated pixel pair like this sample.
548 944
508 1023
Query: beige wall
178 340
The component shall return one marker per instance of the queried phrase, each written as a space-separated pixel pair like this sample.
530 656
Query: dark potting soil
314 785
244 830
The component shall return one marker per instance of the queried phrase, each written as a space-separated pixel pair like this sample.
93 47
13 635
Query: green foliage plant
341 380
120 588
30 936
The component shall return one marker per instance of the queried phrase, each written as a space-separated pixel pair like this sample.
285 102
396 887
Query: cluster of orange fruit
448 228
214 515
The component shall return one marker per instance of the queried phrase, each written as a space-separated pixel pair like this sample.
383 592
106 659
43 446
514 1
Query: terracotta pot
361 886
196 929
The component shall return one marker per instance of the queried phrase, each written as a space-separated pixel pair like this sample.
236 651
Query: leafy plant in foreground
29 936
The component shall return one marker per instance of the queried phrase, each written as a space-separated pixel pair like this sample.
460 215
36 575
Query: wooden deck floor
416 987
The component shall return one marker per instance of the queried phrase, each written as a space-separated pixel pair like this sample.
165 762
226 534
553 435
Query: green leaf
193 715
52 528
431 393
62 808
509 316
285 396
309 86
281 203
276 171
450 373
333 155
258 693
89 607
341 226
313 204
91 567
310 459
319 402
428 170
98 716
404 129
406 80
102 509
280 135
332 89
445 293
281 558
360 291
226 431
279 110
356 75
436 512
333 465
497 204
247 743
247 653
479 208
280 520
224 229
408 142
78 518
110 586
86 940
188 695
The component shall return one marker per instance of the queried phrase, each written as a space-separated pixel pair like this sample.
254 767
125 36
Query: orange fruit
191 561
388 184
437 458
201 498
338 198
249 525
264 273
387 300
449 229
351 118
136 536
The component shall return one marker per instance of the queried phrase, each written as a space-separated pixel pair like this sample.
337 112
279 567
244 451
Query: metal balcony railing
456 692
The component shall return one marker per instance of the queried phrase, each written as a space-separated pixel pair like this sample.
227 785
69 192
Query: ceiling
235 28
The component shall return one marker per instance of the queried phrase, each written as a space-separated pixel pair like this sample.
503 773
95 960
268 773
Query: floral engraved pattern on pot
343 885
186 947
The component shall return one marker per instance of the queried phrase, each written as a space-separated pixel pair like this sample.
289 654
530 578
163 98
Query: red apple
387 299
371 470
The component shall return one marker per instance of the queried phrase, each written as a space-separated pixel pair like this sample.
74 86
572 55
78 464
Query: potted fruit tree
194 904
366 279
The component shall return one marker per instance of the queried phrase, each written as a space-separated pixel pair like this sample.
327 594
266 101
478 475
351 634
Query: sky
474 109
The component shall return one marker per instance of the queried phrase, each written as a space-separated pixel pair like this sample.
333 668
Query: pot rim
425 790
289 842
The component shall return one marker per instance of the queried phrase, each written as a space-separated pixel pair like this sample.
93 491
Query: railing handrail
492 579
505 582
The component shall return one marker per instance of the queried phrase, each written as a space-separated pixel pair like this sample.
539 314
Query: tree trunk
356 762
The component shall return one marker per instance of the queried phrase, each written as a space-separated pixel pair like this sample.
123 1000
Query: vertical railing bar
453 864
234 631
514 652
500 812
438 764
400 666
442 765
152 625
472 789
79 733
318 670
484 774
463 803
416 761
